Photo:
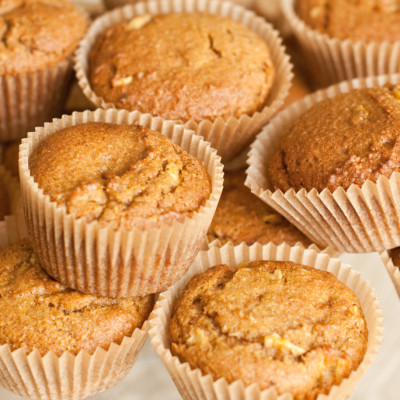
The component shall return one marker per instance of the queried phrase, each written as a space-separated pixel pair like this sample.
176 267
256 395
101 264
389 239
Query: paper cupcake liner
229 136
110 4
393 270
333 60
116 263
30 99
69 376
193 385
359 219
12 228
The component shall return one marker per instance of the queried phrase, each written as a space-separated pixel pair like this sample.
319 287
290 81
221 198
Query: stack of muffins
119 201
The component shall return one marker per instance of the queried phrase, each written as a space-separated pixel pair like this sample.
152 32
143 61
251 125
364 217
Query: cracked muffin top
37 33
243 217
351 138
182 67
273 323
119 175
366 20
45 315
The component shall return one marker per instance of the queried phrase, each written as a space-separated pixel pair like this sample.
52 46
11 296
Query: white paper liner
229 136
193 385
12 228
393 270
359 219
332 60
116 263
30 99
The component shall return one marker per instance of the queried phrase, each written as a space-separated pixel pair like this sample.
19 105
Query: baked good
37 33
119 175
340 141
353 19
203 66
45 315
4 201
274 323
242 217
395 256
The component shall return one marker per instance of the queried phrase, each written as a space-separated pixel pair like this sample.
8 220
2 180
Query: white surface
149 379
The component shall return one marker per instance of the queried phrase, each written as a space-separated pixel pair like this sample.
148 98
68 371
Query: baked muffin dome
119 175
348 139
242 217
37 33
274 323
45 315
353 19
202 66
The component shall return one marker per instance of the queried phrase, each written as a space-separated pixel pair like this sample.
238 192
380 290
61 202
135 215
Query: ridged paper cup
393 270
193 385
107 262
28 100
360 219
229 136
119 3
68 376
12 228
333 60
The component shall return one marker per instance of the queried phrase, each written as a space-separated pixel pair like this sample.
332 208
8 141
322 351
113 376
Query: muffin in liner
333 60
30 99
193 385
68 376
229 136
392 270
360 219
109 4
107 262
12 228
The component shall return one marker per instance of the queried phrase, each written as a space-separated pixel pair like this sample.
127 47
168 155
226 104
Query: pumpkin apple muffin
277 324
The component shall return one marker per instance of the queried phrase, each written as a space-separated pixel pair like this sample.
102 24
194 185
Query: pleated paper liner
116 263
12 228
30 99
393 270
359 219
229 136
68 376
333 60
193 385
110 4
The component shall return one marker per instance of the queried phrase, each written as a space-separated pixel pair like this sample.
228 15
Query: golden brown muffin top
120 175
202 66
43 314
274 323
366 20
242 217
4 201
347 139
37 33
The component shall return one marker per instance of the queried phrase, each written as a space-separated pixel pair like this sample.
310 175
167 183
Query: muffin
4 201
343 39
341 141
38 38
352 19
47 320
242 217
274 321
224 80
119 175
204 66
114 208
